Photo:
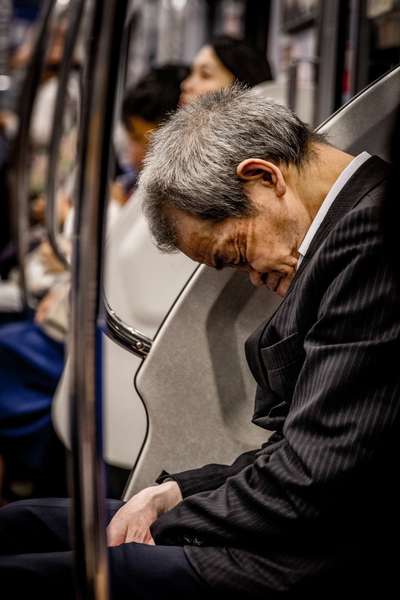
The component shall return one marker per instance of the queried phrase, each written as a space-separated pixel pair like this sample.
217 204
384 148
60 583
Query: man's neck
316 178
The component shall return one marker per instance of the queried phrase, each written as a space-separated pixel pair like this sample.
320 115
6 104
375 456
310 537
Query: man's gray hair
192 160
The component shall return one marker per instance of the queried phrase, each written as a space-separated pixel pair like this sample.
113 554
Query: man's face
264 245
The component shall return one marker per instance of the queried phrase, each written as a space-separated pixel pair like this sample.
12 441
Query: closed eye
220 263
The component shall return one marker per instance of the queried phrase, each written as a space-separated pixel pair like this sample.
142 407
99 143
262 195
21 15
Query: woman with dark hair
222 62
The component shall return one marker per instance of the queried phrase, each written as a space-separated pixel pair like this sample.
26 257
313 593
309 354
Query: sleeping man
234 180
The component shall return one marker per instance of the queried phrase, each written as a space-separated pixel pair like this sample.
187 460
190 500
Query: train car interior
119 361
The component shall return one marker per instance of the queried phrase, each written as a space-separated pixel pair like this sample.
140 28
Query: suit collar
370 174
340 182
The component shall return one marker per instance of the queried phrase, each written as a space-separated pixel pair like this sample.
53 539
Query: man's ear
268 174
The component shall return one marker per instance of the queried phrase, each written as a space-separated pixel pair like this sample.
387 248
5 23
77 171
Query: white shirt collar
329 199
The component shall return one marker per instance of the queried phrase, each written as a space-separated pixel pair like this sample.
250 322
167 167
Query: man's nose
186 84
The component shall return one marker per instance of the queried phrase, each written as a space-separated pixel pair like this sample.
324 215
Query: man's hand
133 521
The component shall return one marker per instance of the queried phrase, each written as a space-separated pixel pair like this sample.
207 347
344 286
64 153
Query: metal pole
293 79
107 23
358 46
330 52
292 84
20 154
57 129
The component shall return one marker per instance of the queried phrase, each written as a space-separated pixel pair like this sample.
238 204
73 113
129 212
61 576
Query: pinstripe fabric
312 507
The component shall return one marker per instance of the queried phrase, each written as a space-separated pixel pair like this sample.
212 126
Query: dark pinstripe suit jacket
312 507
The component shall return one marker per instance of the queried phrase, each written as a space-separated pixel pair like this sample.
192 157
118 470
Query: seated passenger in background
235 180
144 107
39 271
32 352
222 62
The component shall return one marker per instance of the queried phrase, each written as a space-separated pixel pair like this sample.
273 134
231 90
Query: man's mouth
272 279
277 282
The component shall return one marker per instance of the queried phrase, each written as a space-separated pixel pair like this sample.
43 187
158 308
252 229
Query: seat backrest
141 286
367 120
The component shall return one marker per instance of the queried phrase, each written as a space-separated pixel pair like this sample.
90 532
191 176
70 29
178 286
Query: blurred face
139 134
207 74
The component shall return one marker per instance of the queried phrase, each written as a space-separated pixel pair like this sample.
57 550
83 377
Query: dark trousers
36 560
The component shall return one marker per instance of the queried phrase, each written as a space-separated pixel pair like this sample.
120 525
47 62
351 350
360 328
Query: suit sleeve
208 477
344 412
212 476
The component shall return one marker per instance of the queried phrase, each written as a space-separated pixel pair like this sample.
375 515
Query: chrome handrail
71 38
107 23
126 336
20 153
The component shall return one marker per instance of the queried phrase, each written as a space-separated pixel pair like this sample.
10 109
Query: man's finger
140 537
150 541
115 536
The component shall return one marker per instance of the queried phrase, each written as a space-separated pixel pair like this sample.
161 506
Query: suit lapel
371 173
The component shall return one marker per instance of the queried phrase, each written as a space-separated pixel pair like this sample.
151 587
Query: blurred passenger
144 107
32 353
222 62
40 273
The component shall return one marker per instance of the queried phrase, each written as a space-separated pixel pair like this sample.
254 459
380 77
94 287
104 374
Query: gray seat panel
196 386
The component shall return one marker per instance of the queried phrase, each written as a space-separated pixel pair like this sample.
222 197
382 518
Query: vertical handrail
292 84
74 29
293 77
107 22
20 154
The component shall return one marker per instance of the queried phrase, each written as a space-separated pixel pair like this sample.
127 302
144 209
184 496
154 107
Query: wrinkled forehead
195 236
